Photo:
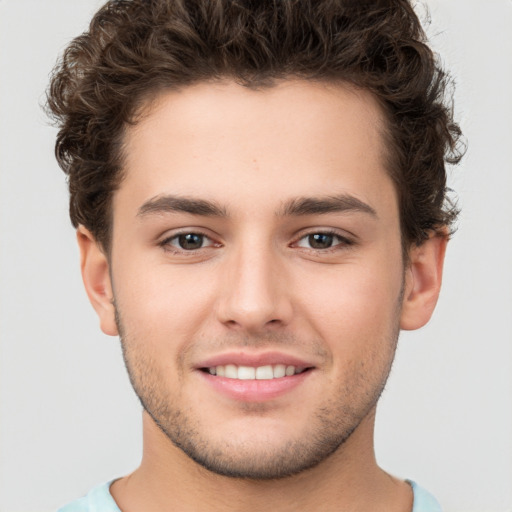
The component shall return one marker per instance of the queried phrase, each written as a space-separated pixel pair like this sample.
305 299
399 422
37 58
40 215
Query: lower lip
255 390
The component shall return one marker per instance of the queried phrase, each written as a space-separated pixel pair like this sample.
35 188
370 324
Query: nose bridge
254 292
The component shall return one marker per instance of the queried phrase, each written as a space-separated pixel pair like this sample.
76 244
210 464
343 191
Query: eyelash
166 243
343 242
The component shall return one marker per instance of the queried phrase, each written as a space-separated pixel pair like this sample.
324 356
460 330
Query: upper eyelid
344 235
348 237
167 245
342 241
187 231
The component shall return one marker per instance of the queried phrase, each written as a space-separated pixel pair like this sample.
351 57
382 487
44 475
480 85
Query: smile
266 372
255 377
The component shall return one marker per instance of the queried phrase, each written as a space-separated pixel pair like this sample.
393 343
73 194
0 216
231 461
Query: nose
254 295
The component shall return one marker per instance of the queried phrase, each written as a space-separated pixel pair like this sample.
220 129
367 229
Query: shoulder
423 500
98 499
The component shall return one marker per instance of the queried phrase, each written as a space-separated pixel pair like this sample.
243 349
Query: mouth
265 372
247 377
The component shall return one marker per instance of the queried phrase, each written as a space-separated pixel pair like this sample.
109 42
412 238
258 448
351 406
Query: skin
258 286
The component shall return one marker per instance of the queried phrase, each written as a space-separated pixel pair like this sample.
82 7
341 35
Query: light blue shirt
99 499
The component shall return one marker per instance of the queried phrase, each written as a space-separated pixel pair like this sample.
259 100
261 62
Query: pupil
190 241
320 241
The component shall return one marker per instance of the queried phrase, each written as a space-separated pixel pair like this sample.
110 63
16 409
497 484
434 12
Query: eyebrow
300 206
180 204
322 205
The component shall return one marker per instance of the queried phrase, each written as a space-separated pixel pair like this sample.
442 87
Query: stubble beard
331 425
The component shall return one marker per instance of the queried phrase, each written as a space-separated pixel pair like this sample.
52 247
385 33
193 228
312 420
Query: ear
423 281
96 276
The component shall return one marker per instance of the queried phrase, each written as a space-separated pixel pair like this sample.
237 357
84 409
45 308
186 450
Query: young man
259 195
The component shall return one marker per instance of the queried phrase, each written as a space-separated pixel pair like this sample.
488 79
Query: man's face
255 235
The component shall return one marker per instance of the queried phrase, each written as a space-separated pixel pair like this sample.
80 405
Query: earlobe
96 277
423 282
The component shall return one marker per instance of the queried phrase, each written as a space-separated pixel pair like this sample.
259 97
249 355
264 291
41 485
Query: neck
347 480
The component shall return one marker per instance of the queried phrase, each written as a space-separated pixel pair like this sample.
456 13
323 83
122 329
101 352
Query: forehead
232 144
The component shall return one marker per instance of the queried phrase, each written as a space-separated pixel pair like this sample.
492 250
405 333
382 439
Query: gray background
68 417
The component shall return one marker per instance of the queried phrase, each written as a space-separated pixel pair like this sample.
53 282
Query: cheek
160 301
354 303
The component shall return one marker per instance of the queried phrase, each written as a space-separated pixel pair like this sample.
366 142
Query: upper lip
240 358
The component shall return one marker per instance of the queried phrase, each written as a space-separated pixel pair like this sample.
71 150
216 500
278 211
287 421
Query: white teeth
279 371
266 372
263 372
290 370
246 373
231 371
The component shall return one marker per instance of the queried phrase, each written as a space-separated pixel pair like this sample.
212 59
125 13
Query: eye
188 241
321 241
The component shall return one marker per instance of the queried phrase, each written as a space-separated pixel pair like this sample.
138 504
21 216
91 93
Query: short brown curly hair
136 48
